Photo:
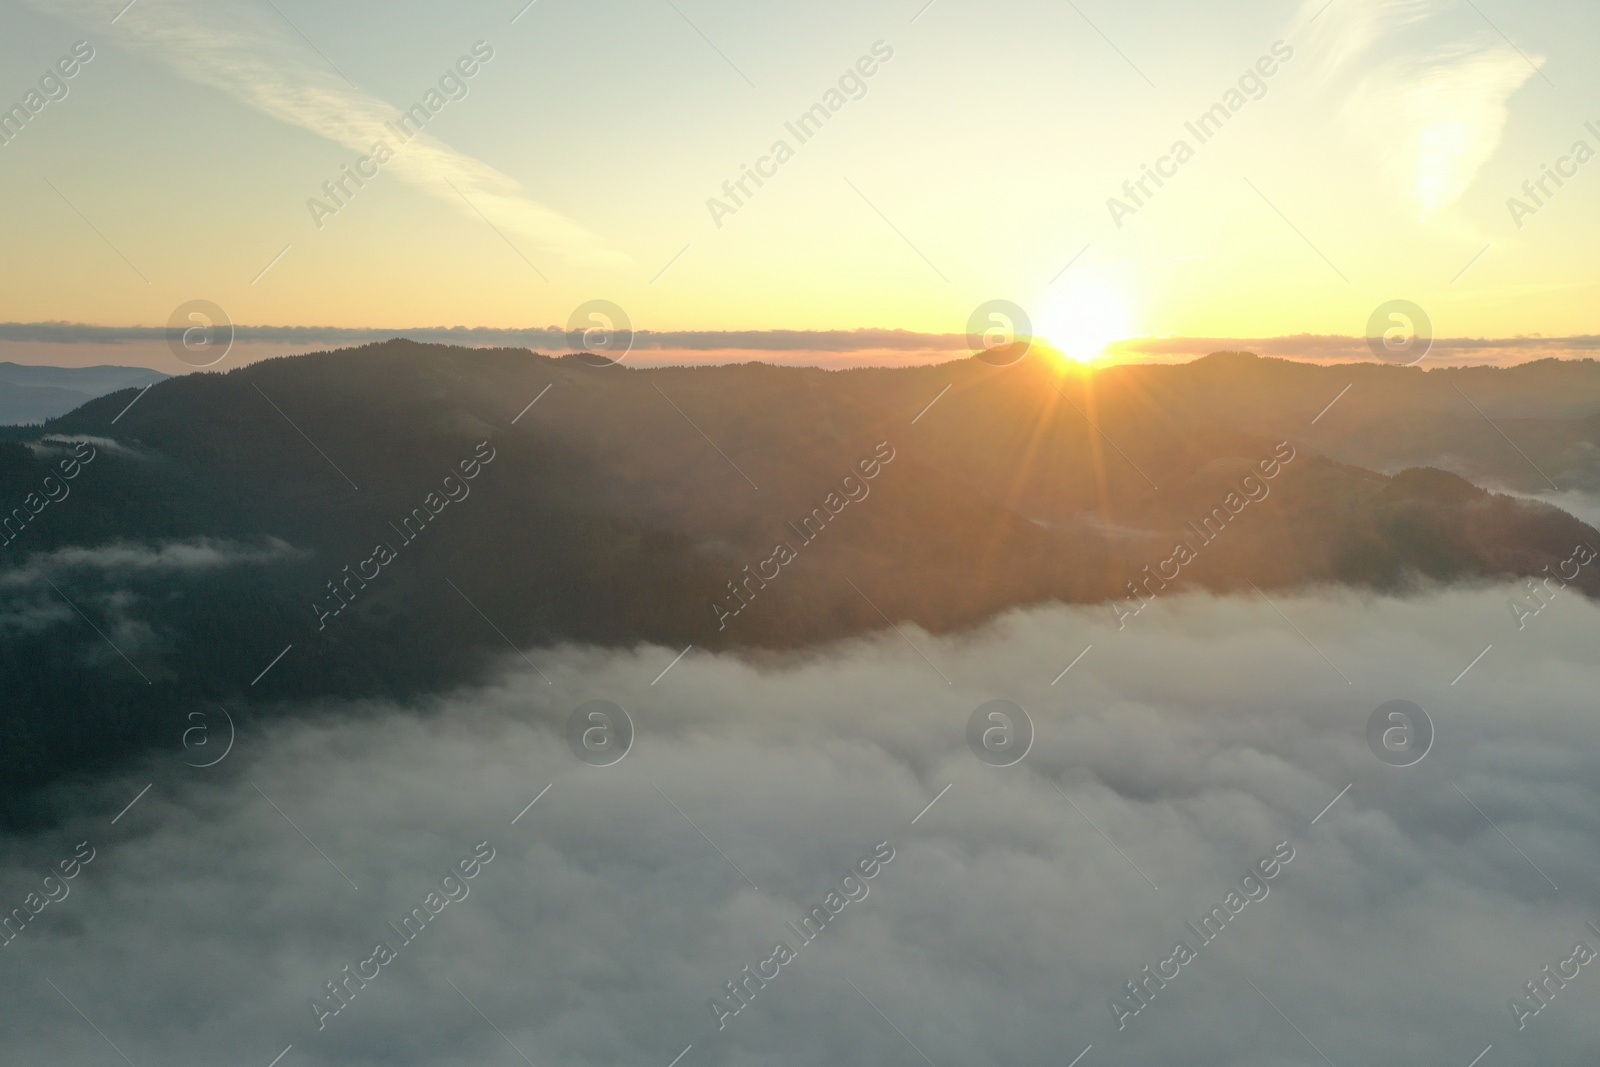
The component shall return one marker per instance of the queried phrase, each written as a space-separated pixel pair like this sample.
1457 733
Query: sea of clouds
1174 755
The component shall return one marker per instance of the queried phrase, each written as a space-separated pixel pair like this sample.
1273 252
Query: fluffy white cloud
1196 739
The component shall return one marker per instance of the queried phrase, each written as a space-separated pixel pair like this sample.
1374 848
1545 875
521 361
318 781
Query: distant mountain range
400 513
29 395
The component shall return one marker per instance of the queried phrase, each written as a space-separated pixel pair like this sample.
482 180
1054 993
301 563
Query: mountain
390 519
30 395
1531 428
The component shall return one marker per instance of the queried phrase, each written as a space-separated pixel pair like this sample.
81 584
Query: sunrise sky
1376 163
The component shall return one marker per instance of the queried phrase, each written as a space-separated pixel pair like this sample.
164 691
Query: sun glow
1084 319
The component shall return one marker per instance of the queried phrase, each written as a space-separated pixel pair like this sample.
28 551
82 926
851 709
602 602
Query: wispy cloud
254 56
1430 103
203 553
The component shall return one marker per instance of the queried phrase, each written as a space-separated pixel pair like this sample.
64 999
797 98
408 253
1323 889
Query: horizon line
856 340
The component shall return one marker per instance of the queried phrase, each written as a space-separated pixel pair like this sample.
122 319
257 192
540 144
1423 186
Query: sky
1018 902
978 161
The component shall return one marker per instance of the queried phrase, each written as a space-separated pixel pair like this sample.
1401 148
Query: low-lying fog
1185 752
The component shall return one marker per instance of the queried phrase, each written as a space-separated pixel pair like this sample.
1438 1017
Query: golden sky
963 153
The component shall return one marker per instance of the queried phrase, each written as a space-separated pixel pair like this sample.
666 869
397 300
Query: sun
1084 319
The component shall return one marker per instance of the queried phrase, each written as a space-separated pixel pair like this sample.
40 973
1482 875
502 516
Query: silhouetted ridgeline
210 531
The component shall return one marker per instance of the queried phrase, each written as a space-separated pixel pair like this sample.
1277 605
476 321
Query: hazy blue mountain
30 395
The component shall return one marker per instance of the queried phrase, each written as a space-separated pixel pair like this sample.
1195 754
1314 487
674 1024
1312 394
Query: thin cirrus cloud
1433 111
254 56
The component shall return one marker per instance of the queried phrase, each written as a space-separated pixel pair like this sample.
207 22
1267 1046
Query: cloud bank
859 347
1015 908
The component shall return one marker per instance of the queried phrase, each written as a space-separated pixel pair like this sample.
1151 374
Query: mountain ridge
625 506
